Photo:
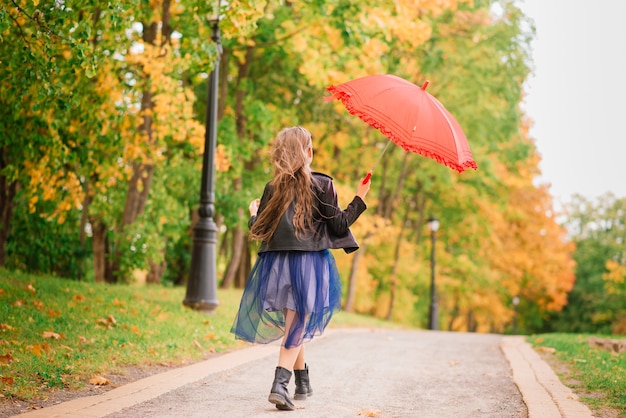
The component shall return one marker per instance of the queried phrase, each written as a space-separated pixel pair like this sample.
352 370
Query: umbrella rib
452 130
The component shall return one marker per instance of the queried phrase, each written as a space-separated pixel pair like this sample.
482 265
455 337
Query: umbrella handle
367 178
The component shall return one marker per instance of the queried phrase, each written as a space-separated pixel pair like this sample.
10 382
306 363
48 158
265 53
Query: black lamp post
515 304
202 286
433 225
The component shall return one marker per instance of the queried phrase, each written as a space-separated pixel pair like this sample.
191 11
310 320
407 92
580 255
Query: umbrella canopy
407 115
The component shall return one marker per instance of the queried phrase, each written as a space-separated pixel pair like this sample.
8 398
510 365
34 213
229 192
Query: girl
294 286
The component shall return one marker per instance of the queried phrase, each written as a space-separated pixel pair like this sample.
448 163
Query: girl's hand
254 207
363 187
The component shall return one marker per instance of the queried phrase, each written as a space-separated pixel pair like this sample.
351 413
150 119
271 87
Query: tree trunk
244 269
394 267
453 315
236 265
238 244
140 182
391 202
352 280
471 322
99 250
156 272
7 194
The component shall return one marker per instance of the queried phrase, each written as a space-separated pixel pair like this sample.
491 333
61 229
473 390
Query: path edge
543 393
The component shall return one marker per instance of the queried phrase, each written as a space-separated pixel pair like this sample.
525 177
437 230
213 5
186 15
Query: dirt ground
10 407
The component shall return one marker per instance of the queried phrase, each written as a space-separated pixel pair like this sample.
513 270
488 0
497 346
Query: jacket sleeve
337 220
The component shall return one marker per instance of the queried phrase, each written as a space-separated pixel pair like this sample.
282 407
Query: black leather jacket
331 224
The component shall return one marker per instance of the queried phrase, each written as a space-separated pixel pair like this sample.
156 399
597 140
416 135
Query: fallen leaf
36 349
99 381
30 288
548 350
134 329
53 313
38 304
6 327
7 380
108 322
51 334
83 340
197 344
117 302
6 358
369 413
18 303
79 298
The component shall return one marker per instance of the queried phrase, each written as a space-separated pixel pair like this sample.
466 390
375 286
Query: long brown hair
292 183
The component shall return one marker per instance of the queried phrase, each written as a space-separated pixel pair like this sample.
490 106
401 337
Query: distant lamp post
202 284
433 225
515 304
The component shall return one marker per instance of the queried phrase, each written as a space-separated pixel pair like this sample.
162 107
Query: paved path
376 373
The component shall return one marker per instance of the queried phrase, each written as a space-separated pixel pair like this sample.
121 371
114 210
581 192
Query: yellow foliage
615 278
222 162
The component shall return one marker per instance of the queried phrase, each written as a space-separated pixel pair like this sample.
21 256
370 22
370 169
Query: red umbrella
407 115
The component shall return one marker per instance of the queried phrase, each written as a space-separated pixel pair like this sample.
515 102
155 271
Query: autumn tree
596 304
110 105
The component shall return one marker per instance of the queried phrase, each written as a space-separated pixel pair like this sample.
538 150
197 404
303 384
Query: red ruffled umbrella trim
345 99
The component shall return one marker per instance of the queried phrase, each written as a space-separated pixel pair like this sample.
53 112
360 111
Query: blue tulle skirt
306 282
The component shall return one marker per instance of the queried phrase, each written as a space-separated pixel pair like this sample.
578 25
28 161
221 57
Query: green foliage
597 228
597 375
40 246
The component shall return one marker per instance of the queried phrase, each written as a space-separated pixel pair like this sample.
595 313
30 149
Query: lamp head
433 224
218 11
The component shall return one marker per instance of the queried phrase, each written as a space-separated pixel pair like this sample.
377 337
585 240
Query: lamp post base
203 306
201 288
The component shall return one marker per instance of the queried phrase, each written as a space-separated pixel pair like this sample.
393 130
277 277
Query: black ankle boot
279 394
303 387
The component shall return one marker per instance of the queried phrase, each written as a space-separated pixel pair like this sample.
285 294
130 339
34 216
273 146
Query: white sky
577 95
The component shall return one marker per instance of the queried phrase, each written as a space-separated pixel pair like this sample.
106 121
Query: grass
596 375
57 334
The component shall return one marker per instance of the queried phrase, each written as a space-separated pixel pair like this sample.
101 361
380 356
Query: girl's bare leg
290 357
299 364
